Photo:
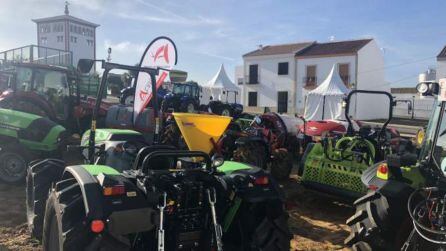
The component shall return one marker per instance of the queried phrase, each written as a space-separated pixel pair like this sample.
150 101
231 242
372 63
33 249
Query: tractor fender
389 187
90 188
242 180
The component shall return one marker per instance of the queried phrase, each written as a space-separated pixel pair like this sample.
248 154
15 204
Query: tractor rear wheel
64 223
378 224
171 135
260 226
39 180
281 165
226 111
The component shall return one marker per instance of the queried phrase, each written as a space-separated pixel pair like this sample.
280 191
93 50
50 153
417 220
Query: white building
441 64
68 33
280 76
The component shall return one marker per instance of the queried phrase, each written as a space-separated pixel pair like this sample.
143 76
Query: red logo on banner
162 52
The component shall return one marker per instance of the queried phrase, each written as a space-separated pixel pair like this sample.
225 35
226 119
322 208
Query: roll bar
347 109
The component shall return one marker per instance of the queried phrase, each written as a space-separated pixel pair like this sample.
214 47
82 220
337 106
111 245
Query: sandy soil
317 221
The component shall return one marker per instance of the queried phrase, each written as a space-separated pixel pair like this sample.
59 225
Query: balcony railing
310 81
38 54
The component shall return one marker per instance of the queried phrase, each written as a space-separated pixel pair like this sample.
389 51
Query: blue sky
208 33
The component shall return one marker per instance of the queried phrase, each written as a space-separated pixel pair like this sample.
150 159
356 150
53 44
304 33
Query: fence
39 55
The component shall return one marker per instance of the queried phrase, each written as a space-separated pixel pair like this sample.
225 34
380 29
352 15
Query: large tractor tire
188 107
171 136
226 111
260 226
13 163
64 226
281 165
41 175
252 153
378 224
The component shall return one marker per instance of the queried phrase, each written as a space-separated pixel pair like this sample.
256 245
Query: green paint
231 214
97 169
104 134
230 166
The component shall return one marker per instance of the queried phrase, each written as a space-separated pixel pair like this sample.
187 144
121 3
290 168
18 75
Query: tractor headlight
423 88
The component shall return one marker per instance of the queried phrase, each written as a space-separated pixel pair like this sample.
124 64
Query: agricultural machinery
136 196
185 97
225 108
25 137
404 207
335 164
56 92
269 142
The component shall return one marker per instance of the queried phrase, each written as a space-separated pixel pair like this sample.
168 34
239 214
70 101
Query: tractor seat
157 163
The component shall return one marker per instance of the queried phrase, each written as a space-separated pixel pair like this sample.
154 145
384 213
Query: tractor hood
35 132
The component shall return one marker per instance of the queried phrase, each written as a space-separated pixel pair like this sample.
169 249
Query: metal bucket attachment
199 130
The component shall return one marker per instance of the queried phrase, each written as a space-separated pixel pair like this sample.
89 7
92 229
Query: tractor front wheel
377 224
13 164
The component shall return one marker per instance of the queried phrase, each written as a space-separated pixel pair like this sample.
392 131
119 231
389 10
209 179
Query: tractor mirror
217 161
85 65
177 76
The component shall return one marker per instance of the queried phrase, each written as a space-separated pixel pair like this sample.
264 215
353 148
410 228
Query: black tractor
157 198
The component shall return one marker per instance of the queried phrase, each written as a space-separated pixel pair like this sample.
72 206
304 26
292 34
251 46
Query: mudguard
90 188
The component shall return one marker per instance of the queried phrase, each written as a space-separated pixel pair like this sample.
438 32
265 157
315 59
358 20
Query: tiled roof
333 48
279 49
442 53
64 17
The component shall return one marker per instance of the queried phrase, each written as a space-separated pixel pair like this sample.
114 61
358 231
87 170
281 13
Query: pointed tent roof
332 85
221 81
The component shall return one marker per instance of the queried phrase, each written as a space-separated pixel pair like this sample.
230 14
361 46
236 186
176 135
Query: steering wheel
132 147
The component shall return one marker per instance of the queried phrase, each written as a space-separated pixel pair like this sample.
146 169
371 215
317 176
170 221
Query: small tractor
135 196
25 137
225 108
336 163
404 208
270 142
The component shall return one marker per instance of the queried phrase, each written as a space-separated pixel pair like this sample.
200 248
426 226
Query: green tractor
404 208
25 137
335 164
135 196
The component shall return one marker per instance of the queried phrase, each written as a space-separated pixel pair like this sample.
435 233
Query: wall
80 49
371 77
269 81
441 69
238 74
422 106
323 68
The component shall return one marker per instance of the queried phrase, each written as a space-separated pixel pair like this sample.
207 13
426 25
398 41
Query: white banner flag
161 52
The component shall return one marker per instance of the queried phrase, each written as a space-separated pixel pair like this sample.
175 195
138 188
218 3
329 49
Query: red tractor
271 143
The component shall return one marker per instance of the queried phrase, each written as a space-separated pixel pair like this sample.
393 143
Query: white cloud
124 47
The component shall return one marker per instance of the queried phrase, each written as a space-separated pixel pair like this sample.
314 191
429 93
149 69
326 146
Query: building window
45 28
344 73
310 78
252 98
282 68
73 39
59 38
239 81
43 40
254 74
89 42
58 27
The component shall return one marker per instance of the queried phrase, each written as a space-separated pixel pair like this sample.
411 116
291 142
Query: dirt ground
316 220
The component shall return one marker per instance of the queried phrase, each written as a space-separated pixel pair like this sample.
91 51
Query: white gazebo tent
325 102
217 85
